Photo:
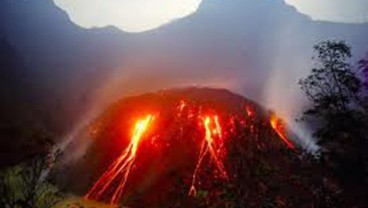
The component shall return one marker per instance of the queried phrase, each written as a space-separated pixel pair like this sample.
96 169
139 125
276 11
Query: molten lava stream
121 166
211 144
279 127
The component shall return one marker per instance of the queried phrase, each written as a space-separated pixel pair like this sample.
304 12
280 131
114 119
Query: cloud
352 11
128 15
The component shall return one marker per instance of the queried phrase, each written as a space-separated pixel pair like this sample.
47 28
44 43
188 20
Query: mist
75 73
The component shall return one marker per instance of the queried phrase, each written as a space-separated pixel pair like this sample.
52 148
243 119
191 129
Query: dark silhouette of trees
332 86
363 66
339 112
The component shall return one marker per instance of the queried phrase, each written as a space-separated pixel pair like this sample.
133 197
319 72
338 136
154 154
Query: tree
334 90
27 185
363 66
338 111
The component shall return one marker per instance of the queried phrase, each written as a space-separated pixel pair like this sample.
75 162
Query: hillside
196 147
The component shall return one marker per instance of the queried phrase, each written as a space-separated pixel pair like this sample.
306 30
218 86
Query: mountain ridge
228 44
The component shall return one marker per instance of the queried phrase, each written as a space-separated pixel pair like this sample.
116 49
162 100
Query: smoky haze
258 49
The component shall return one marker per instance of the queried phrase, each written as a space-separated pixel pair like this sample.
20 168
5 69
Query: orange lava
120 168
212 144
181 106
215 126
279 127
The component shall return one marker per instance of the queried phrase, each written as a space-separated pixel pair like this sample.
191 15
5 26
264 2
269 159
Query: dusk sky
142 15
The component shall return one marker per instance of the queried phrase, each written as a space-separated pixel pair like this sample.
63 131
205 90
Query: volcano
188 147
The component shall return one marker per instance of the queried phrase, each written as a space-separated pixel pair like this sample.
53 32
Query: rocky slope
197 147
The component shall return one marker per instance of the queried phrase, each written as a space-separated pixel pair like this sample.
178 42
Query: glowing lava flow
213 131
279 127
121 166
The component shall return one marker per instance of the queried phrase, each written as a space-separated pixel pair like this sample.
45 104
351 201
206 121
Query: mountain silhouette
258 48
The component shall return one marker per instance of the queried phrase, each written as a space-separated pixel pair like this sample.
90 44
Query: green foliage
27 185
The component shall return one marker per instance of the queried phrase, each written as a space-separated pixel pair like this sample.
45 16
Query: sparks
279 127
121 166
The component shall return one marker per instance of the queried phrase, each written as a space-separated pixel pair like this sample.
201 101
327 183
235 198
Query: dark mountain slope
21 127
58 56
246 41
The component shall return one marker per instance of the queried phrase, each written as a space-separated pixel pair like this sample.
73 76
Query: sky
128 15
348 11
143 15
